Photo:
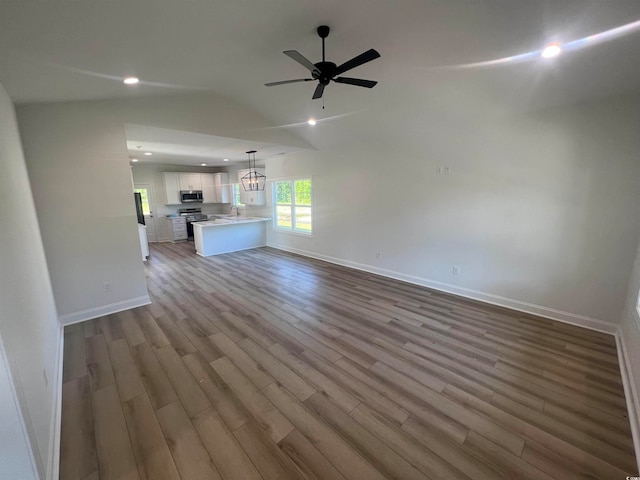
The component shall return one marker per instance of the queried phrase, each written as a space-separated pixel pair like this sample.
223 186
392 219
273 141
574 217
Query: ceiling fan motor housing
323 31
325 72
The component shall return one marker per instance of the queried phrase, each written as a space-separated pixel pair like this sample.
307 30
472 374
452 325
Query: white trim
21 421
539 310
81 316
630 393
53 462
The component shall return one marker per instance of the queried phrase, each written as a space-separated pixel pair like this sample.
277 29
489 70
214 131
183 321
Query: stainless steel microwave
191 196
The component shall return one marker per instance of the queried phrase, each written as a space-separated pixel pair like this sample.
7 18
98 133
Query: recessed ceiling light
311 121
134 160
226 159
131 80
203 164
551 50
148 154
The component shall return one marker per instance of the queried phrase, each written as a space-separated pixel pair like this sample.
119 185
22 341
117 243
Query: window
292 205
144 196
236 195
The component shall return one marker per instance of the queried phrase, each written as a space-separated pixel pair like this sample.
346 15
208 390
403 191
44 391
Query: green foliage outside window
236 195
283 192
293 205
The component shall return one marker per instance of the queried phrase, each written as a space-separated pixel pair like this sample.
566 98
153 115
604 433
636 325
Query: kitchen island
229 234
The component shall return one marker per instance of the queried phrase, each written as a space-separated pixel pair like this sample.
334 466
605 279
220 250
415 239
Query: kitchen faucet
231 210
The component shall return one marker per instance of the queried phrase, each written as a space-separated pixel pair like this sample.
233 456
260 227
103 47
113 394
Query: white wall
79 169
29 329
630 340
539 211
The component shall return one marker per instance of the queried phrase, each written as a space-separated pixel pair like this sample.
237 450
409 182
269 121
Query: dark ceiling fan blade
357 61
271 84
301 59
356 81
319 91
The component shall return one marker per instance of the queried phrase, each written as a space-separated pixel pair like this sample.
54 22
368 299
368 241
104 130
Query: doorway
148 207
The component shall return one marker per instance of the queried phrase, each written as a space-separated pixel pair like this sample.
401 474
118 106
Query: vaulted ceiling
70 50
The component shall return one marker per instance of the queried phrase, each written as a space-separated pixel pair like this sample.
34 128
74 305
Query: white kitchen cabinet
178 228
172 188
222 187
208 188
215 186
251 197
190 181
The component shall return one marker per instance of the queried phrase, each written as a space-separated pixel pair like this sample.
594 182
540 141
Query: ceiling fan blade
356 81
319 91
357 61
301 59
271 84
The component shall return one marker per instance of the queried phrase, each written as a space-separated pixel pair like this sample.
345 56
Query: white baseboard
81 316
630 393
539 310
53 462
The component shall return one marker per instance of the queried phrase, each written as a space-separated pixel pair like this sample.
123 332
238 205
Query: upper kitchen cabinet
190 181
172 188
251 197
215 186
222 188
209 194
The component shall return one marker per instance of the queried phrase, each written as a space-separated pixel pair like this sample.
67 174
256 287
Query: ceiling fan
324 72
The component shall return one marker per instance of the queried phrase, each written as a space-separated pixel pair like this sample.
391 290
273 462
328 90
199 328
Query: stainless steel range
192 215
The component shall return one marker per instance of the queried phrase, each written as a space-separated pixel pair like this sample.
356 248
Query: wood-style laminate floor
265 365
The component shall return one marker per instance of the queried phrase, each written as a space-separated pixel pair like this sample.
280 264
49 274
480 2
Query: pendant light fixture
253 181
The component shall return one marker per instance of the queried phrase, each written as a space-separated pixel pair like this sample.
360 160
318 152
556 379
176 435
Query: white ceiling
188 148
69 50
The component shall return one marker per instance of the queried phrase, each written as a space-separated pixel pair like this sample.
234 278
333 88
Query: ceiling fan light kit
325 72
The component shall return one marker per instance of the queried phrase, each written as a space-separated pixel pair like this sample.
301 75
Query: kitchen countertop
231 220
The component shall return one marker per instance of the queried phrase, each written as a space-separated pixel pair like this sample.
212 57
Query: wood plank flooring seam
300 367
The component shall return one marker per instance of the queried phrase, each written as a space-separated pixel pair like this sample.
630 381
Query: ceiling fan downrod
323 32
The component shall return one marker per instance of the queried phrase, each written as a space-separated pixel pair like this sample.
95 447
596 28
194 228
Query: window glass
144 196
283 216
303 192
292 209
303 219
236 195
283 192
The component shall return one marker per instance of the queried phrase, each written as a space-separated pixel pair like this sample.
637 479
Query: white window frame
274 192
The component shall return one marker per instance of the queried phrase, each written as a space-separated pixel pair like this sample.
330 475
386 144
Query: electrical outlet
108 286
438 170
378 256
446 169
44 375
455 270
